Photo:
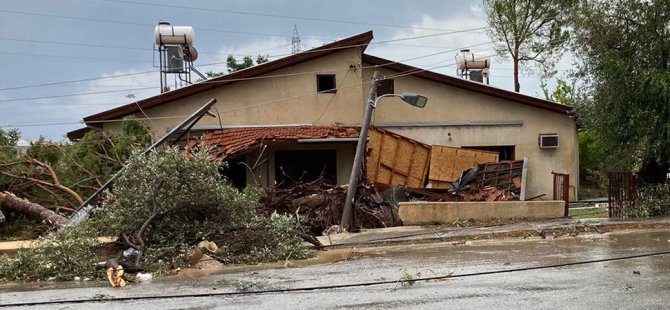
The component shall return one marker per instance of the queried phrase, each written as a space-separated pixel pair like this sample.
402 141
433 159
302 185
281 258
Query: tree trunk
517 86
11 202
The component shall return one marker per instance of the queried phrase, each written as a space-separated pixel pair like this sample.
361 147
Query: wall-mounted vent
548 141
385 87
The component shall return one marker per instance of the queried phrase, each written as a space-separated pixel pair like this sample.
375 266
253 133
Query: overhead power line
119 47
108 21
398 75
335 286
227 80
273 56
247 13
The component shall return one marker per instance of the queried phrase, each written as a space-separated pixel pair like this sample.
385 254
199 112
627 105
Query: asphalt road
623 284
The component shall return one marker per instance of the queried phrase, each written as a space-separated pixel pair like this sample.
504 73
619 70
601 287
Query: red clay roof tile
227 142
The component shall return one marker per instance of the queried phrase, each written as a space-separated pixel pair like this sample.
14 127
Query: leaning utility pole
360 153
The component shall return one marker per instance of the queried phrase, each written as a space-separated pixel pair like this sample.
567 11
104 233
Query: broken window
325 83
505 152
308 165
235 172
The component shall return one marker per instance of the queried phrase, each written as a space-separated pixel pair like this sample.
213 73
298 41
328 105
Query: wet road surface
624 284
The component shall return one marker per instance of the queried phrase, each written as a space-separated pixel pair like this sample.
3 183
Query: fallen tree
14 203
161 207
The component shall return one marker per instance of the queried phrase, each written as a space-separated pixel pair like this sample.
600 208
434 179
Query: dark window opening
306 166
505 152
326 83
385 87
235 172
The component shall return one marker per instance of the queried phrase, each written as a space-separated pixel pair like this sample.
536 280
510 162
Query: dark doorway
291 166
235 172
505 152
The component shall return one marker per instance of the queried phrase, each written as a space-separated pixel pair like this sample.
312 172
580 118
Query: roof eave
360 40
469 85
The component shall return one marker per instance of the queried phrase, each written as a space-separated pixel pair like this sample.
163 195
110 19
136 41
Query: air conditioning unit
548 141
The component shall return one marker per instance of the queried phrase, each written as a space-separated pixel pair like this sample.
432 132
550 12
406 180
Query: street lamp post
412 99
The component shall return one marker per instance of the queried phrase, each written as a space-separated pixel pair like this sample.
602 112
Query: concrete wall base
421 213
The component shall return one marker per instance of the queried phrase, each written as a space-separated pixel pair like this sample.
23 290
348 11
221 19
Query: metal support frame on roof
85 208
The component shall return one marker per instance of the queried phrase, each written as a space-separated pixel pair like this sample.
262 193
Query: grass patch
583 213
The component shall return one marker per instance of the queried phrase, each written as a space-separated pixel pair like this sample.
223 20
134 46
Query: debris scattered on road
115 276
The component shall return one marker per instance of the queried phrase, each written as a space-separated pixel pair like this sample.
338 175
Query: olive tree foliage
162 205
166 202
528 31
624 51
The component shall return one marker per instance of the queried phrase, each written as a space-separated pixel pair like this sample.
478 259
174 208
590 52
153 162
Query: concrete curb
542 229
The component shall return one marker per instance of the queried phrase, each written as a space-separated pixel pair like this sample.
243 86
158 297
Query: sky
74 44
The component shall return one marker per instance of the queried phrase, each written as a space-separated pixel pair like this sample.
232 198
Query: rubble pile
318 205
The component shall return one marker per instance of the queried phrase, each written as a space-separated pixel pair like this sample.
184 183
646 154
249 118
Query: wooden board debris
447 163
396 160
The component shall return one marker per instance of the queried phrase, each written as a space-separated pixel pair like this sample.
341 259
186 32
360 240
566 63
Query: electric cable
217 63
224 81
247 13
338 286
401 74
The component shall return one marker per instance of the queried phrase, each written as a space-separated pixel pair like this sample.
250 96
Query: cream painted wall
289 99
292 99
448 104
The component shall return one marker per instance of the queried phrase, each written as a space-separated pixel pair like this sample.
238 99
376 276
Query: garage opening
307 165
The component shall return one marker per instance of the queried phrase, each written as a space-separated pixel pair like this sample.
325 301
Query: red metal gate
620 191
562 189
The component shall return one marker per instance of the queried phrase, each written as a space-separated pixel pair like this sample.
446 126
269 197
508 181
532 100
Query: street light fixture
412 99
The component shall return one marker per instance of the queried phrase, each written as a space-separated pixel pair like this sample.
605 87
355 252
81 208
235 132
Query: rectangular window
505 152
325 83
385 87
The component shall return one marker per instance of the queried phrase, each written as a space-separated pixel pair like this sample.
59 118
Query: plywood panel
393 159
448 163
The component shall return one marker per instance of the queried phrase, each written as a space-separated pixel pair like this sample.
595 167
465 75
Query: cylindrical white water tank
168 34
467 59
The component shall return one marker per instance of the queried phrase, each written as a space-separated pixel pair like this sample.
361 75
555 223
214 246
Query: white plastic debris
144 277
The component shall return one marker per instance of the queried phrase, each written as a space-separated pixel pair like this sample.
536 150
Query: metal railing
620 191
562 189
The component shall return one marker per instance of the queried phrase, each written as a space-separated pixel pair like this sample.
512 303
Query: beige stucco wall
292 99
426 213
450 109
288 99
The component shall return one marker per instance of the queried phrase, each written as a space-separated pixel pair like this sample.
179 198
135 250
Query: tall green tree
528 31
624 50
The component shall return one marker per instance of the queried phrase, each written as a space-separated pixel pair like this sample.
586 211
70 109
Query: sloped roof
362 40
469 85
226 142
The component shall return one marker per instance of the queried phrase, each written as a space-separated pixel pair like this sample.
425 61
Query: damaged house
299 117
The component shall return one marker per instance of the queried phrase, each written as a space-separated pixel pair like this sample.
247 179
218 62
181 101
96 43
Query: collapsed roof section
239 141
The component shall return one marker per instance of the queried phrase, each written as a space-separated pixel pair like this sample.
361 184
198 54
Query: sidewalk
545 229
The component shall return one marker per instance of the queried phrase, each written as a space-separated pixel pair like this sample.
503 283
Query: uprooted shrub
161 206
